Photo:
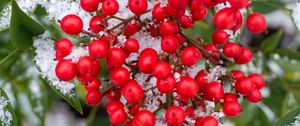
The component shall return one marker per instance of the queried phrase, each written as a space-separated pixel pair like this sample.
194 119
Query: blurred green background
277 57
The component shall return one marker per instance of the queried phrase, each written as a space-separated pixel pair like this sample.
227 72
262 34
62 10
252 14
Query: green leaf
72 100
23 28
8 110
3 3
37 96
288 118
267 6
277 95
291 101
8 56
270 43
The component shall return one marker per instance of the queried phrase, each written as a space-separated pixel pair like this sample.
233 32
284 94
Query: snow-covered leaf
290 119
7 116
45 61
22 28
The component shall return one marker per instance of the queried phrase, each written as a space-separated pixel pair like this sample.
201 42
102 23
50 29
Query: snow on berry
45 61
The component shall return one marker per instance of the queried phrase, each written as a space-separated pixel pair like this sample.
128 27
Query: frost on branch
6 117
45 61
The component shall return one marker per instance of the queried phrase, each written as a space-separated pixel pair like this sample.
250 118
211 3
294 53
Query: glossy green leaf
3 4
270 43
22 28
267 6
277 95
291 101
8 112
288 118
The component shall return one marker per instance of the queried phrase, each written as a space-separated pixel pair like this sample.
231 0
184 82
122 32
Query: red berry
98 49
232 50
220 37
178 4
239 4
166 85
120 76
175 13
237 74
199 15
87 65
211 3
225 19
138 7
64 46
131 28
110 107
256 23
244 86
213 49
257 80
133 109
255 96
239 21
115 57
146 61
244 57
65 70
97 24
132 91
131 45
169 44
153 31
168 28
190 56
196 5
185 21
207 121
110 7
89 5
117 116
159 13
180 38
93 97
201 79
71 24
93 85
161 70
148 51
113 95
230 97
187 87
175 115
213 91
231 108
144 118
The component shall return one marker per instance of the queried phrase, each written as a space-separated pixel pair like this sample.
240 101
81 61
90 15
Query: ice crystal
76 53
216 72
296 122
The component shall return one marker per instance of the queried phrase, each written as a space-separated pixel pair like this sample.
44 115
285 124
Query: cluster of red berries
180 52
